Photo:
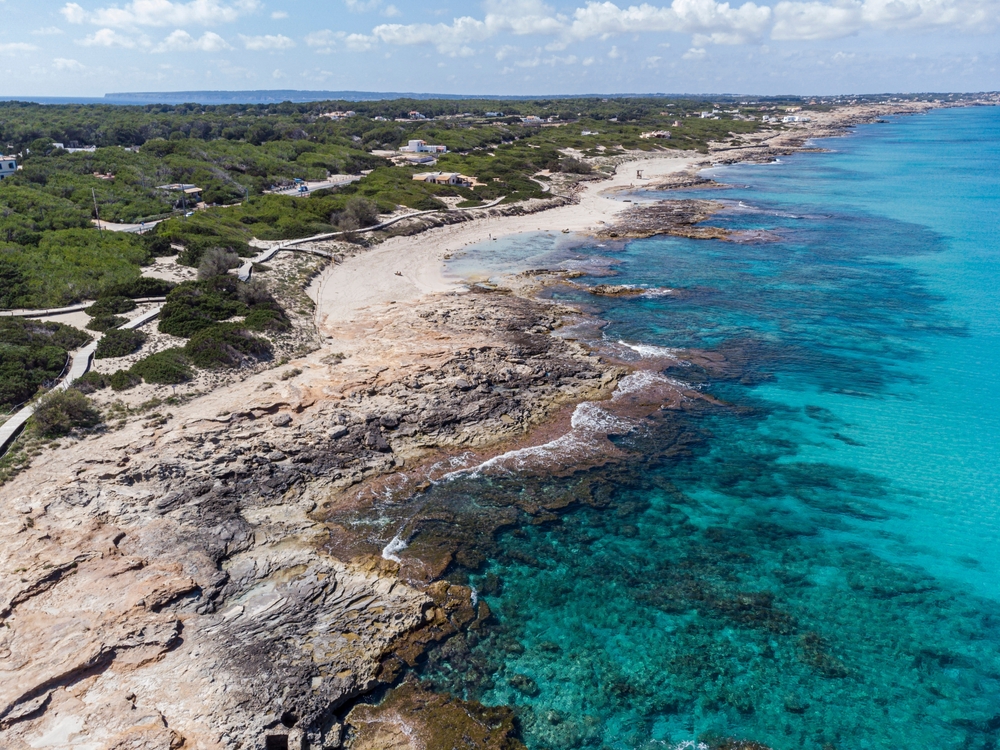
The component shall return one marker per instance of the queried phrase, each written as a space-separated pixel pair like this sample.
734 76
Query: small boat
565 231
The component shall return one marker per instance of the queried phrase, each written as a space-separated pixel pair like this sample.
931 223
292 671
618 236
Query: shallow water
815 564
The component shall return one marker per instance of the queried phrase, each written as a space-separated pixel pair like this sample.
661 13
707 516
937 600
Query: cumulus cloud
326 41
518 17
817 20
108 38
267 42
161 13
725 24
278 15
182 41
708 22
12 48
62 63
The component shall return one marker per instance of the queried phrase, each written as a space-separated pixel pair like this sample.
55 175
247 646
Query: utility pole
97 212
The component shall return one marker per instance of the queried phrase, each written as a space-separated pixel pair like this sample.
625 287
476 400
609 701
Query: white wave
562 448
393 548
650 351
641 380
474 597
591 417
589 424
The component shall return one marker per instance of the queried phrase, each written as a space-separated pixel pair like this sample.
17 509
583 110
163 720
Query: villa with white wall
422 147
8 166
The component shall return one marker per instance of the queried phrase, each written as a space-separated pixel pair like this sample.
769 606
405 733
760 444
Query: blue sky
524 47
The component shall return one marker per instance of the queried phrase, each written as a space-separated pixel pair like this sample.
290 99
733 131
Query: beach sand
369 279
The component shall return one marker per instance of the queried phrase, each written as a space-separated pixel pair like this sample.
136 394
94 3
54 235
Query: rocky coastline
197 577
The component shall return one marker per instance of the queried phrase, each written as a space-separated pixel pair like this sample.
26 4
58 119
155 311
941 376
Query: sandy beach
370 278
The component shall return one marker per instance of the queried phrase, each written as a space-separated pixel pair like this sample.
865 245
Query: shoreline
229 520
369 278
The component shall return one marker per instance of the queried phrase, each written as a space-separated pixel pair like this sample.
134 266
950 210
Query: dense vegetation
33 354
119 342
51 254
60 412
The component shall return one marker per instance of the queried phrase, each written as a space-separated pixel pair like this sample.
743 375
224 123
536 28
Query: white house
795 118
8 166
422 147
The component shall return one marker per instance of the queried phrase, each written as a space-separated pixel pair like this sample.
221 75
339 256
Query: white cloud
48 31
267 42
614 54
694 54
705 17
362 6
391 11
324 38
815 21
714 22
161 13
279 15
74 13
12 48
62 63
107 38
182 41
326 41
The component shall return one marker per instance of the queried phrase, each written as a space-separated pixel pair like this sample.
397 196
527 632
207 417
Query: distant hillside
267 97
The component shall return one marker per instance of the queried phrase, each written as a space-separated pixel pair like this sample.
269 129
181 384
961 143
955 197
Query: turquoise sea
815 563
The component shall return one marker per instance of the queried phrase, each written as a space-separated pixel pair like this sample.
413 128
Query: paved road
338 181
130 228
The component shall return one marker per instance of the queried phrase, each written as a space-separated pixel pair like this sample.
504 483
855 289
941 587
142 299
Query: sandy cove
369 279
191 578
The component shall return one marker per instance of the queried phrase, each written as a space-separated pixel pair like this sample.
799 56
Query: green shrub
110 306
119 342
196 305
142 286
427 203
158 246
90 382
59 412
469 204
225 345
267 319
103 323
122 380
216 262
33 353
168 367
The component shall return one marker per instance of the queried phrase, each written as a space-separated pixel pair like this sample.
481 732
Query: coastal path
266 255
48 313
80 362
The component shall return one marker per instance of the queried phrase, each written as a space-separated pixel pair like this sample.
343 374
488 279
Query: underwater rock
412 718
616 290
674 217
524 684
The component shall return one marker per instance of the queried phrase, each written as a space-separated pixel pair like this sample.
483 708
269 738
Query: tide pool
814 564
